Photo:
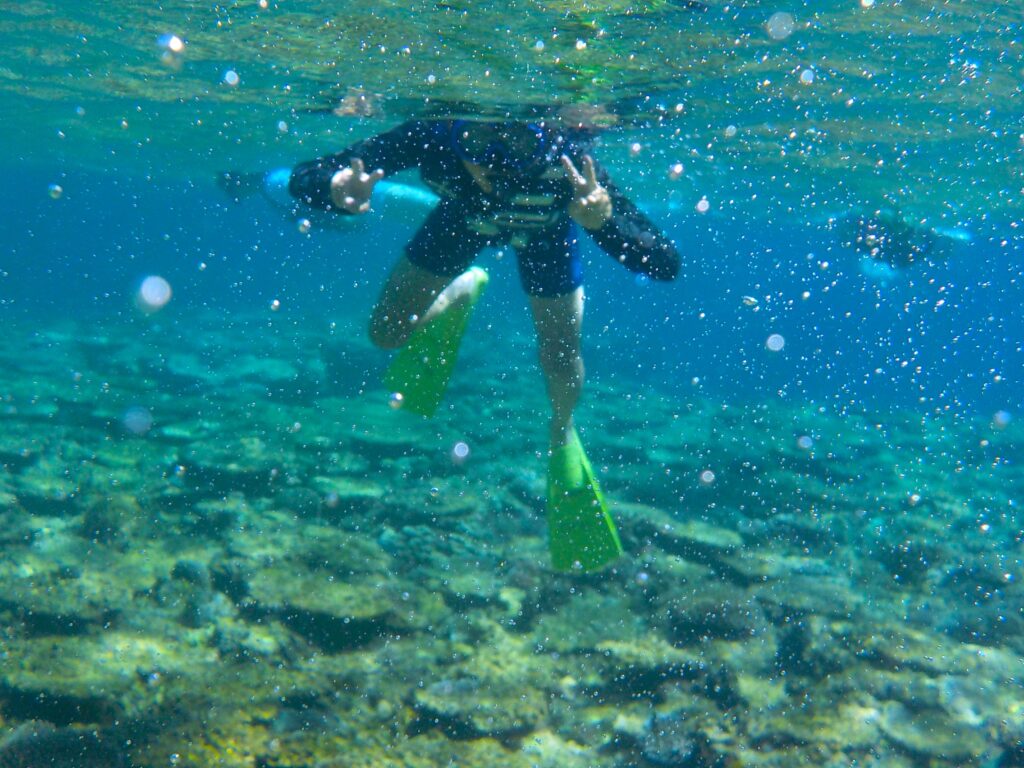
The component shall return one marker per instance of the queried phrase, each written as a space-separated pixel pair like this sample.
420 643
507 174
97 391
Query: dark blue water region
939 336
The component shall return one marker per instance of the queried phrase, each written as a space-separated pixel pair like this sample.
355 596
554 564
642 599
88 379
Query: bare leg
559 322
411 297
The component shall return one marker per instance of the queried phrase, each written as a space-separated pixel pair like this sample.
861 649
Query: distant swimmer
531 185
890 242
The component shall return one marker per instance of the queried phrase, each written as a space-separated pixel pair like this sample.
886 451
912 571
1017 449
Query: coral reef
271 574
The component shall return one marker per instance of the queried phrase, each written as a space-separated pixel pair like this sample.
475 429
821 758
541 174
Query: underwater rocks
931 733
670 741
374 599
498 690
37 744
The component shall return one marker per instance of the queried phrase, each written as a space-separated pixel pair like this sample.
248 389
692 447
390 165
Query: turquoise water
223 546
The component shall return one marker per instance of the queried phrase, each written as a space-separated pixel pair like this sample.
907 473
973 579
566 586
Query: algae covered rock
588 619
499 689
334 590
40 744
931 733
671 740
693 539
347 493
715 612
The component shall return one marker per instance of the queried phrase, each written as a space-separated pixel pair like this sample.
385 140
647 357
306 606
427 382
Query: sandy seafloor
223 548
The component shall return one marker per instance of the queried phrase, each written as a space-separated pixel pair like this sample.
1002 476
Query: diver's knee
561 362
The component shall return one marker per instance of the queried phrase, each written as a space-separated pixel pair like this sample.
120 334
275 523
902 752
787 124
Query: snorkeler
531 186
889 243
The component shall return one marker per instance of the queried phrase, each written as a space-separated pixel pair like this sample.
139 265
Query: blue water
941 336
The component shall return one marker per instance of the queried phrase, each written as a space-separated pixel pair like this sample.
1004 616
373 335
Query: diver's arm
633 240
334 183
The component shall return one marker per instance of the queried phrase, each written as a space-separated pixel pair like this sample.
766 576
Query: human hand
352 187
591 206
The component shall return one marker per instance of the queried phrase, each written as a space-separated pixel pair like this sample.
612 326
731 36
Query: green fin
581 533
422 368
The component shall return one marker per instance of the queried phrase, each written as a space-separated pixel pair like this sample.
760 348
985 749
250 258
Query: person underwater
890 243
533 186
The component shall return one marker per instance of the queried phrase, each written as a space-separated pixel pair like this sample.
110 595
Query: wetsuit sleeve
393 151
634 240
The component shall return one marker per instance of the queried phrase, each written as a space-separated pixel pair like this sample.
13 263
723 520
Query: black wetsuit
528 210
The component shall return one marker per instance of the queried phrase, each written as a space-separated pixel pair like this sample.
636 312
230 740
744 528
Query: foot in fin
581 533
422 368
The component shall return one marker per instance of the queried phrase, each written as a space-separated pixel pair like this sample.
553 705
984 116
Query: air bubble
137 420
231 78
171 43
154 293
780 25
775 343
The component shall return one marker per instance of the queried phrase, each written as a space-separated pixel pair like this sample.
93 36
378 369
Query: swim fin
581 533
422 368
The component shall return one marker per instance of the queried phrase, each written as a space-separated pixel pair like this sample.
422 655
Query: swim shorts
549 259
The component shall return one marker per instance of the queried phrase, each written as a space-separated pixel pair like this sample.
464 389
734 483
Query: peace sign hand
591 206
352 188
